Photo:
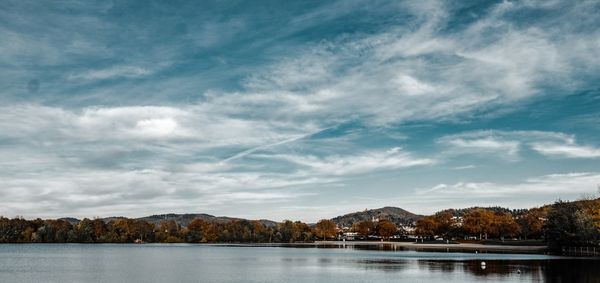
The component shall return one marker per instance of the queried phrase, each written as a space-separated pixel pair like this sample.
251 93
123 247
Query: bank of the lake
473 247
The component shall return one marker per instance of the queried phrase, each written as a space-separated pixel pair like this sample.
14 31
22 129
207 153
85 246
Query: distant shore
440 246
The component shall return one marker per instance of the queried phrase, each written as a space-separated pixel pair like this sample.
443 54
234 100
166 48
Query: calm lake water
222 263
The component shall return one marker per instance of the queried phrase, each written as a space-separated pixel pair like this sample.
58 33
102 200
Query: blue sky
296 109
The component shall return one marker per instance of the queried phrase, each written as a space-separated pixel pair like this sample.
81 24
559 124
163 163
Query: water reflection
571 271
565 270
441 266
387 265
259 263
390 247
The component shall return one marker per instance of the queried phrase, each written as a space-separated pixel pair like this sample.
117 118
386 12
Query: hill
395 214
181 219
185 219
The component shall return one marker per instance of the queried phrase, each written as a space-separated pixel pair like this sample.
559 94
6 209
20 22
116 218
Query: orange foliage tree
325 229
386 229
426 227
479 222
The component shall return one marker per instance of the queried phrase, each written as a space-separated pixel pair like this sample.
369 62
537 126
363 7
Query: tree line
563 223
560 224
124 230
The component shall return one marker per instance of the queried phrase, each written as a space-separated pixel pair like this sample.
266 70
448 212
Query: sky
296 110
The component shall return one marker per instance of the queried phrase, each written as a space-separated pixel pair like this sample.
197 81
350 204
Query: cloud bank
226 109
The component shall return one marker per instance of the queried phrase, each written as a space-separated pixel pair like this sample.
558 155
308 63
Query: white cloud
464 167
508 143
573 184
411 86
530 192
156 127
174 152
394 158
419 73
198 123
106 160
488 144
87 192
568 150
113 72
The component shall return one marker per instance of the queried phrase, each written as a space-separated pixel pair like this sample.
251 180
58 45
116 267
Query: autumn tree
596 215
504 225
194 231
168 232
426 227
531 223
479 222
386 228
445 224
325 229
84 231
100 231
287 232
304 232
364 228
201 231
261 233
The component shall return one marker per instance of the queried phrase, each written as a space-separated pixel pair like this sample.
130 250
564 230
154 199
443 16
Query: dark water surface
223 263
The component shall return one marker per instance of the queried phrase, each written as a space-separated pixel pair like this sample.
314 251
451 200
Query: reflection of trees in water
438 265
325 261
553 270
567 270
574 270
493 268
294 259
387 265
378 247
502 267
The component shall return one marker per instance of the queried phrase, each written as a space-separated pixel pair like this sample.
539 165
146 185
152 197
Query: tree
570 223
304 232
364 228
386 229
287 232
100 230
560 227
478 221
426 227
261 233
167 231
504 225
84 231
531 223
325 229
444 224
596 215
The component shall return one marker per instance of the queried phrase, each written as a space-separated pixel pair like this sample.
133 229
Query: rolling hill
181 219
395 214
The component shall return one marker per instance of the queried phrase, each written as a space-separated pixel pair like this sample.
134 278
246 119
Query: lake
246 263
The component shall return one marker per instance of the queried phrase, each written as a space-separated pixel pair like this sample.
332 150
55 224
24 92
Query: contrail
252 150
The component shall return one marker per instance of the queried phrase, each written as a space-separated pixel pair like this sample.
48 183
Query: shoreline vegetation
550 228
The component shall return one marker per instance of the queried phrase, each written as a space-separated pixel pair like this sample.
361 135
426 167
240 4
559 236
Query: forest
559 224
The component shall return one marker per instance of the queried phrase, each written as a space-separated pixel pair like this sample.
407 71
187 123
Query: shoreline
441 246
408 245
